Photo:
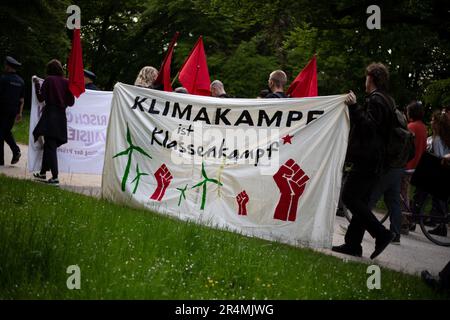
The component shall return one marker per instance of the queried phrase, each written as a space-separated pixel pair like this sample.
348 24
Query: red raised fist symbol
242 200
291 181
163 178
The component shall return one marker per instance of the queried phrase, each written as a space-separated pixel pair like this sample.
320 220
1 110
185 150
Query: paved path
413 255
82 183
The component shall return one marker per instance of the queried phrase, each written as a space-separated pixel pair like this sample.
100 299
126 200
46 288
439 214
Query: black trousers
356 195
6 124
50 157
444 276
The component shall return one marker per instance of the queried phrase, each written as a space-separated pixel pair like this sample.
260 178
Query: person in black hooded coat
53 122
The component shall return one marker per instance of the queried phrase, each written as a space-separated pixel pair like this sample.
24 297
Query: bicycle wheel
442 239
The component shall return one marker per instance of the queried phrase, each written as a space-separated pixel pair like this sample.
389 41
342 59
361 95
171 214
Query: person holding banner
369 134
218 90
146 77
53 122
277 81
89 78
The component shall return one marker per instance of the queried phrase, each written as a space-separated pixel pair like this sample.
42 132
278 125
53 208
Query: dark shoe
431 281
346 249
40 177
440 230
53 182
16 158
396 239
412 227
381 243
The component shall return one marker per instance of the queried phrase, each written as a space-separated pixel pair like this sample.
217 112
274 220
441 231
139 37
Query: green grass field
134 254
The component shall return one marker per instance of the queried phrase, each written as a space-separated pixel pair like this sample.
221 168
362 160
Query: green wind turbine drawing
204 183
138 178
129 153
182 194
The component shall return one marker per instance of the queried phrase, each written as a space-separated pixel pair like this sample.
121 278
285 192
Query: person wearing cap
89 78
12 91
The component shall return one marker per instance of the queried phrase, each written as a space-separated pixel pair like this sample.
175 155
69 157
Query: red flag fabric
164 72
75 66
305 85
194 75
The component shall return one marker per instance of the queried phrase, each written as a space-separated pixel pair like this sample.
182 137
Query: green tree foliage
244 39
437 94
107 29
33 31
245 72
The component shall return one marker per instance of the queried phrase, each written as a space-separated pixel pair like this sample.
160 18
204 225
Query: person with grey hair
218 90
277 81
146 77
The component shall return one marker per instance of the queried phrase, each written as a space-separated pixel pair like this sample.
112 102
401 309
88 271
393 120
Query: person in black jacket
12 92
89 78
53 122
441 283
277 81
370 127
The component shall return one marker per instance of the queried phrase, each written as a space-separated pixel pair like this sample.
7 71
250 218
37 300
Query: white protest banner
87 122
269 168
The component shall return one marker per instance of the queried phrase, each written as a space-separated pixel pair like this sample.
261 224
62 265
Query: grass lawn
21 129
135 254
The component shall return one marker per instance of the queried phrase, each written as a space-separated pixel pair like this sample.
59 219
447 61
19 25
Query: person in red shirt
415 113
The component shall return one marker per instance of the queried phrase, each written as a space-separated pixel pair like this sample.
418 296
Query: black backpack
400 147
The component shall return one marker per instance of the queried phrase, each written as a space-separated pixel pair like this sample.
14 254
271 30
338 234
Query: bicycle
420 219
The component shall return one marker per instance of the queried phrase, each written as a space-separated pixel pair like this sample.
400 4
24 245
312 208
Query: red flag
305 85
75 66
164 71
194 75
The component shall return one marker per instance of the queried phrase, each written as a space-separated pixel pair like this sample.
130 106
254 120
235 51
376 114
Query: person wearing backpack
370 130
